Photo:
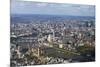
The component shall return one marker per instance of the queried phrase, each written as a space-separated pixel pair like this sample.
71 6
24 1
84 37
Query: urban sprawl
52 40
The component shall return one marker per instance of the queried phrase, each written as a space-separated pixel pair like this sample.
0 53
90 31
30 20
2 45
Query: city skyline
51 33
22 7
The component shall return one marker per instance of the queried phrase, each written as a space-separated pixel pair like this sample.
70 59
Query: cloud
41 4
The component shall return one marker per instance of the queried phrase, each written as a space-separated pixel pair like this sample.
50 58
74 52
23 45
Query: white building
50 38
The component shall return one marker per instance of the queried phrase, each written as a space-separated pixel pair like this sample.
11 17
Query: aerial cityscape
51 33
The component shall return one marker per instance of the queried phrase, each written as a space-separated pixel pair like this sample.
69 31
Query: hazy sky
22 7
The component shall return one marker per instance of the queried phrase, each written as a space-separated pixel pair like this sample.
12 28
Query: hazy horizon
44 8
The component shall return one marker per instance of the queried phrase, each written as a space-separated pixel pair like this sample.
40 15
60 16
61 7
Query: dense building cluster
52 41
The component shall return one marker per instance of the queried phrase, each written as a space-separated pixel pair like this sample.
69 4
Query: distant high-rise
53 34
50 38
64 31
